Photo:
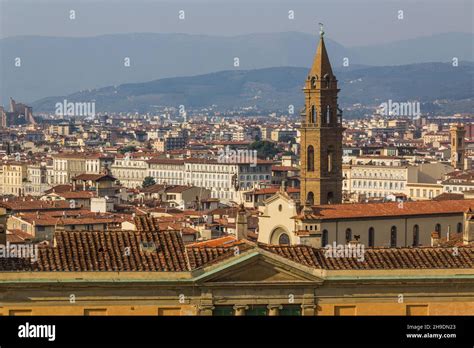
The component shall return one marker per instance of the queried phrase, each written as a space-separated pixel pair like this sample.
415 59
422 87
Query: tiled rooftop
379 258
366 210
114 251
164 251
34 205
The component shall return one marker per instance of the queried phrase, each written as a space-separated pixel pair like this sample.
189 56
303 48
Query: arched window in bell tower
310 198
330 160
330 197
328 114
339 116
326 80
310 158
314 114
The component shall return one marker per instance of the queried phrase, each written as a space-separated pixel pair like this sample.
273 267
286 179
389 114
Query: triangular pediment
260 269
278 196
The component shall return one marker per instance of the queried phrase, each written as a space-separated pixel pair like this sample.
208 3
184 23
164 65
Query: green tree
148 181
264 149
126 149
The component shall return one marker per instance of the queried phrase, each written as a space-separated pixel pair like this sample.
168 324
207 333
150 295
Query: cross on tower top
321 29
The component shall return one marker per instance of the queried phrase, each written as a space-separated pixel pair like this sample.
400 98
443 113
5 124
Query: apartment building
67 166
60 129
170 143
423 191
227 180
42 225
37 182
98 163
224 180
166 171
432 137
283 134
13 178
458 181
377 177
131 169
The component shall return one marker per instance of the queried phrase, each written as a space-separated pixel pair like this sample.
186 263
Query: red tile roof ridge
383 209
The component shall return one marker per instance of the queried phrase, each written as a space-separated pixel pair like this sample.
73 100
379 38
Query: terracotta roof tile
364 210
35 205
379 258
108 251
94 177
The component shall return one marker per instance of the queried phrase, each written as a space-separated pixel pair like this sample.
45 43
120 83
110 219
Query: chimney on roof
355 240
435 239
468 234
59 227
241 223
283 186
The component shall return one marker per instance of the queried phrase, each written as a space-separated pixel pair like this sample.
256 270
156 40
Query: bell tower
457 146
321 134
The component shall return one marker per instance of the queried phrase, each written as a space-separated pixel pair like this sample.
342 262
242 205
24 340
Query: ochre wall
327 309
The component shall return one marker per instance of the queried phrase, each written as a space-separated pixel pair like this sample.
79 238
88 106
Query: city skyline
274 174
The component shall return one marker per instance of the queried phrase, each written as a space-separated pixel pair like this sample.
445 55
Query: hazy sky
350 22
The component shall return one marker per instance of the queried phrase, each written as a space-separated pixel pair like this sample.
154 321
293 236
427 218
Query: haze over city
237 158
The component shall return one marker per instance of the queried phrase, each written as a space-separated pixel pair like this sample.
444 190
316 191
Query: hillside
435 85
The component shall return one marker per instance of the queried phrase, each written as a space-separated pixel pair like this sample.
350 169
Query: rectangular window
294 310
222 311
256 310
95 311
19 312
417 310
344 310
169 311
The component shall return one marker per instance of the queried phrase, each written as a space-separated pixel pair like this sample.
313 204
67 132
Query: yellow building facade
258 281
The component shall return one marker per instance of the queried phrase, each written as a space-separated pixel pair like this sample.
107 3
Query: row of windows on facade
424 193
226 169
223 194
457 188
374 194
249 310
375 184
207 176
385 175
393 235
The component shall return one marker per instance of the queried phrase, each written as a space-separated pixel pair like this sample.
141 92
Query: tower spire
321 64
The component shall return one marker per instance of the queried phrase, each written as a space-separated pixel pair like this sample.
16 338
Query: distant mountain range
439 87
59 65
